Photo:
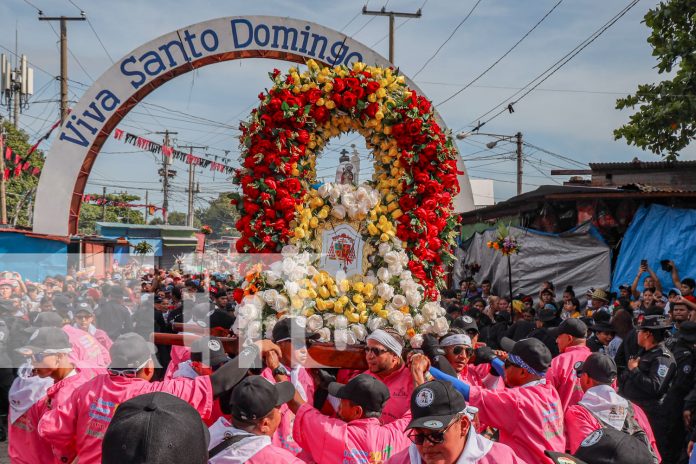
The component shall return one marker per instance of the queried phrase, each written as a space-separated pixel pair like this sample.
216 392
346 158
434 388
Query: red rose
286 204
238 293
313 95
320 114
271 183
352 83
349 100
423 105
371 109
293 185
302 137
339 85
372 87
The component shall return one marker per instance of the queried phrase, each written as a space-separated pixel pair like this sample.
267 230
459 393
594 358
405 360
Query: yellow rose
361 307
377 307
314 222
297 303
351 316
343 300
372 229
320 304
324 292
357 298
330 104
299 232
344 286
320 102
397 213
367 290
384 237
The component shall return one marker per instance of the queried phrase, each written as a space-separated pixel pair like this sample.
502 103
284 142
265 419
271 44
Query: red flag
26 166
17 159
17 171
118 134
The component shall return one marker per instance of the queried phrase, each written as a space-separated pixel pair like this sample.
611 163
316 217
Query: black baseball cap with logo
291 328
254 397
151 428
130 351
209 350
610 446
465 323
528 352
571 326
434 404
47 319
81 306
46 340
599 367
363 390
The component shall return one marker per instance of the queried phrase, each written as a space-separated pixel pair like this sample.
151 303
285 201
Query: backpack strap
226 443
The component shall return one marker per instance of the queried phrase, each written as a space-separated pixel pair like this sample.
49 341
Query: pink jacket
580 423
330 440
87 352
400 385
498 454
25 445
561 374
530 418
283 436
103 338
77 427
474 375
179 354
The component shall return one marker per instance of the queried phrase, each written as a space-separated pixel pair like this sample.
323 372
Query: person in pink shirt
358 435
570 338
155 428
442 432
291 335
458 351
84 320
528 413
246 437
600 402
383 355
48 350
77 427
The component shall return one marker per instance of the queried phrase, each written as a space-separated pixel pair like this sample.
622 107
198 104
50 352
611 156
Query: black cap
83 307
687 331
547 313
599 367
291 327
563 458
209 350
571 326
46 340
363 390
61 302
434 404
47 319
150 429
254 397
602 327
529 351
654 323
130 351
610 446
158 299
465 323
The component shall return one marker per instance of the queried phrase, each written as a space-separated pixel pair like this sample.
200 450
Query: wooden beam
593 196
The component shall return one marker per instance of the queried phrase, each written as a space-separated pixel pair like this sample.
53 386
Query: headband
520 362
387 340
456 339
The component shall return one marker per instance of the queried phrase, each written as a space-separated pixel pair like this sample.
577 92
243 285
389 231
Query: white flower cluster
347 201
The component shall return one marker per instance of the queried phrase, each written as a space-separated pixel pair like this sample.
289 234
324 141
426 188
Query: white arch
133 77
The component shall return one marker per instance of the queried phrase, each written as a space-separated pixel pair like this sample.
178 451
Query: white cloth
295 380
239 452
185 370
606 404
456 339
387 340
25 391
476 448
534 383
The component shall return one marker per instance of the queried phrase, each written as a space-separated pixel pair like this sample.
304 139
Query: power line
502 57
447 40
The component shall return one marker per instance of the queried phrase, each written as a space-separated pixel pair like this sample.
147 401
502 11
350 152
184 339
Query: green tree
21 190
220 216
90 214
177 218
666 119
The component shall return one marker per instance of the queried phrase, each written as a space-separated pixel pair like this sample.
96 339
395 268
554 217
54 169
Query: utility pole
190 191
3 195
103 204
392 15
518 137
147 206
166 173
63 56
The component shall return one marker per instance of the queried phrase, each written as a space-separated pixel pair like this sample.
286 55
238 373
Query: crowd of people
522 380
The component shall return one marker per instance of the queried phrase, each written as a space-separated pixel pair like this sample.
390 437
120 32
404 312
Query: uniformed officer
682 347
12 335
648 376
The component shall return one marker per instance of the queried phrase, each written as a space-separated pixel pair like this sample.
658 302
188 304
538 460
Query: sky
571 115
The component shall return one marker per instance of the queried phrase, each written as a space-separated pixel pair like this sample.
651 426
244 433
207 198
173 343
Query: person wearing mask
528 413
291 336
74 430
442 431
600 406
546 319
85 320
384 362
255 416
570 339
357 435
647 378
682 347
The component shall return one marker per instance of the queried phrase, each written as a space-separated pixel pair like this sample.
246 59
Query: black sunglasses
375 351
418 438
459 349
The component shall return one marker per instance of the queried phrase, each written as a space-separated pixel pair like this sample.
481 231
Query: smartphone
665 265
644 263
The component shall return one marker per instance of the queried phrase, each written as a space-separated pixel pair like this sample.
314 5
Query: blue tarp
657 233
33 258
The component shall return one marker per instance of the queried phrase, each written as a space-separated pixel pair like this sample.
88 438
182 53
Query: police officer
648 376
682 347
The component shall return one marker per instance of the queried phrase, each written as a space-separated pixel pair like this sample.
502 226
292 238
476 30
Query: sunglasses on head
375 351
459 349
435 438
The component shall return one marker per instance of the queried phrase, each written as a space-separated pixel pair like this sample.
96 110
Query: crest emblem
662 371
425 398
592 438
214 345
433 424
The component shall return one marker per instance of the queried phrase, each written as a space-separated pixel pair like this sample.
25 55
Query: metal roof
637 164
146 226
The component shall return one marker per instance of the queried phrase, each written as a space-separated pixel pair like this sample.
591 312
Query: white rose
431 311
298 273
374 198
359 331
385 291
324 334
392 257
288 266
338 211
248 312
325 190
314 323
375 322
280 303
418 320
272 277
288 250
383 274
254 330
406 275
408 321
383 249
416 341
399 301
395 269
341 322
329 319
340 338
441 326
334 195
371 279
351 338
400 328
408 286
269 323
291 288
270 295
414 298
395 317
